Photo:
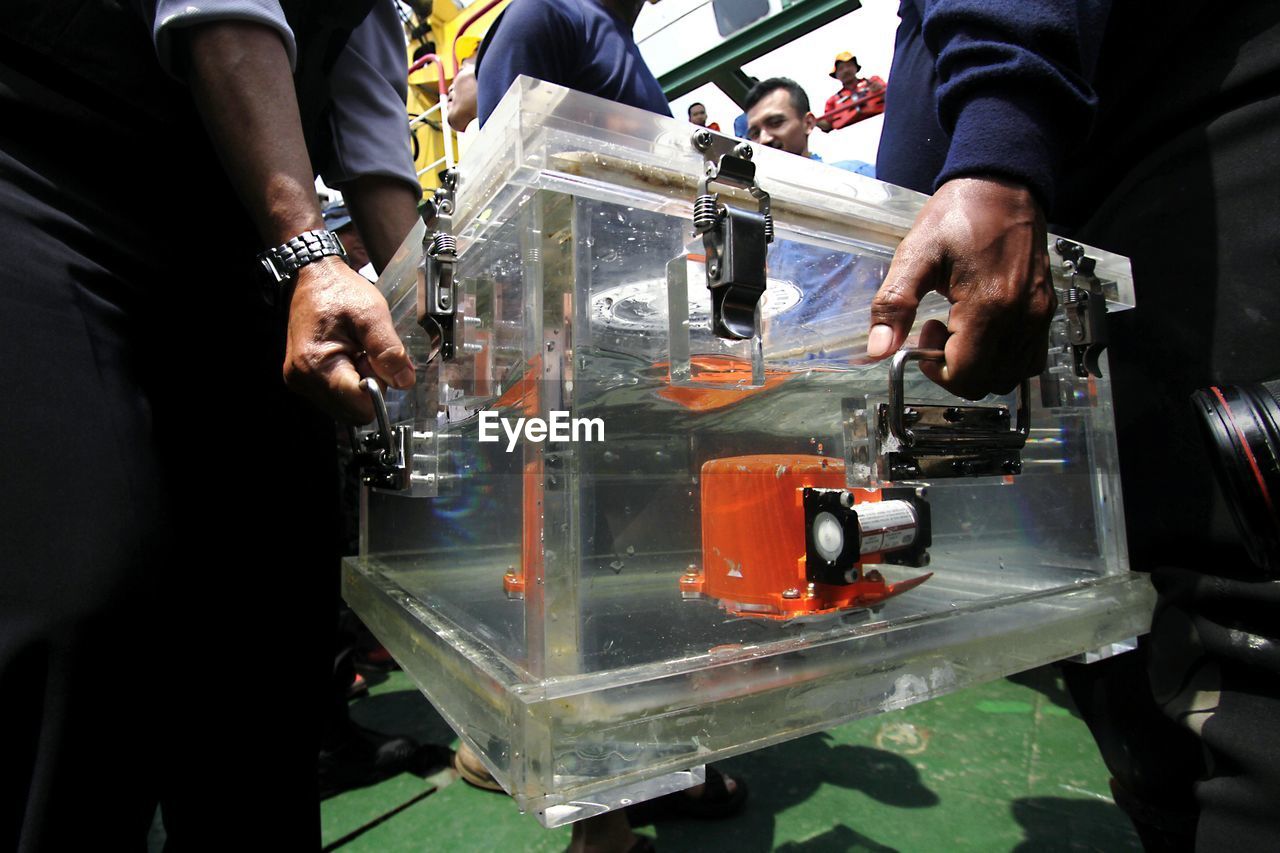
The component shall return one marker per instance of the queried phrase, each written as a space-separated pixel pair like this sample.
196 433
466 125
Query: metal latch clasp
735 241
382 456
937 441
438 299
1084 308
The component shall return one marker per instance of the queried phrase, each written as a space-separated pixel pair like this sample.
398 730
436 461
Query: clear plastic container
570 606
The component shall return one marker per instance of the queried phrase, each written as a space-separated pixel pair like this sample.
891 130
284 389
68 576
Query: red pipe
431 57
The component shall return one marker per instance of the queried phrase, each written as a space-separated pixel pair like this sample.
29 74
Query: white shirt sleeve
171 15
369 119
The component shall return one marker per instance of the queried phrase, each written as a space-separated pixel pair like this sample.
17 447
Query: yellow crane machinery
442 34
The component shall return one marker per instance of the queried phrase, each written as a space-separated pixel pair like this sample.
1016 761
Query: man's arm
1013 94
371 160
241 82
384 210
824 124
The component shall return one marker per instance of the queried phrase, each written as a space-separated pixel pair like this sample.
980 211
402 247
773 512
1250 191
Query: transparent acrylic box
542 593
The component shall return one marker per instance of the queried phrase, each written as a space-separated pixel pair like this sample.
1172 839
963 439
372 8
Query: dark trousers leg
79 499
1199 218
252 652
168 505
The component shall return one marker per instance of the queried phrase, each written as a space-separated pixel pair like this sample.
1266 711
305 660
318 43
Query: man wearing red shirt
857 99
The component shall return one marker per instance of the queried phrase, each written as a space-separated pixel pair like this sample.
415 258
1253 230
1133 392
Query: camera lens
1241 424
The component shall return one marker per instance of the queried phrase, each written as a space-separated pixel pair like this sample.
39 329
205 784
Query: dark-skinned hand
981 243
340 329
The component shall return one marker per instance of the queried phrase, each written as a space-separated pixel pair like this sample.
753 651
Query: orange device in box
782 537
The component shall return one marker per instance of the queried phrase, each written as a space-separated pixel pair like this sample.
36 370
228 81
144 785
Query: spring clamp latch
1084 308
438 300
735 241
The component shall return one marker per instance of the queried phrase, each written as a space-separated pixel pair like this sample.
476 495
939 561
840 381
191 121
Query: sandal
472 770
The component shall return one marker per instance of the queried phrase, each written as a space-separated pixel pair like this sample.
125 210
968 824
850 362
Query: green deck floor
1004 766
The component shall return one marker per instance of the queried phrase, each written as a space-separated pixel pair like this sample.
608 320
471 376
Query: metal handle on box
897 402
949 440
383 457
897 399
381 417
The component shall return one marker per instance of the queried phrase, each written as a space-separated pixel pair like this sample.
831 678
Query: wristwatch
283 262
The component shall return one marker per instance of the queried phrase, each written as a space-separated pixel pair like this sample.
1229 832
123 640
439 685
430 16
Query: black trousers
1190 725
168 575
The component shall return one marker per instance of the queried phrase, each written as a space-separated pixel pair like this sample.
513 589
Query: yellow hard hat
844 56
466 46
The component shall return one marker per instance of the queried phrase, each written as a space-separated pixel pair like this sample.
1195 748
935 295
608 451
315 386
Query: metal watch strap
284 261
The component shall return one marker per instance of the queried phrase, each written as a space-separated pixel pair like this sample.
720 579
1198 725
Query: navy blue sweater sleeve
1014 87
532 37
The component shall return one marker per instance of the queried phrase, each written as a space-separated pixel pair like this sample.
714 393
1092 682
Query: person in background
1015 113
858 98
698 116
463 96
778 116
582 44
